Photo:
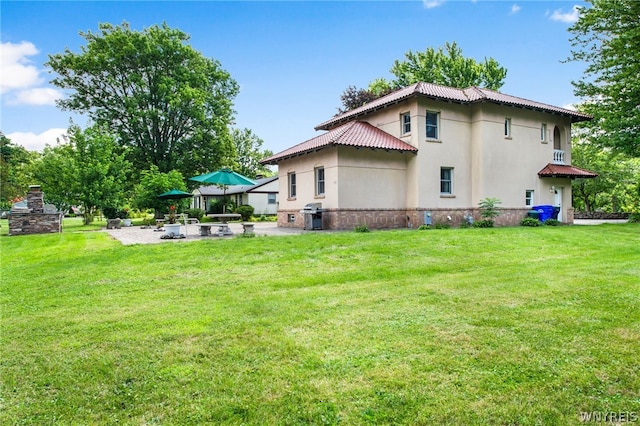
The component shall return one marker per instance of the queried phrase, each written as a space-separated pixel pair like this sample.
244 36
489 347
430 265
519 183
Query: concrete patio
139 235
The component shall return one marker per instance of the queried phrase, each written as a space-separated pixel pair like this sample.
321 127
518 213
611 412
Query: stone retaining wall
600 215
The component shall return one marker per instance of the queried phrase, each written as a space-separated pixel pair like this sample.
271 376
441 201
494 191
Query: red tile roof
561 170
354 133
468 96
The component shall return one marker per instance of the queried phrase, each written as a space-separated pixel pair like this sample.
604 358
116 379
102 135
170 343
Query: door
558 201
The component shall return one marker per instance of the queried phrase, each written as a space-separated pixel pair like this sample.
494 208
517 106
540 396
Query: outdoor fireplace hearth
36 218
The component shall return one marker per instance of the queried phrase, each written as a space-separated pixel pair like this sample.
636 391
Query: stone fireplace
36 218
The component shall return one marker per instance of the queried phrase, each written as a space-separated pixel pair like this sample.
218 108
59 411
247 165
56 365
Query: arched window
557 140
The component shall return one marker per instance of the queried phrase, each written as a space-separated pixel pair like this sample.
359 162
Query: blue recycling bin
545 210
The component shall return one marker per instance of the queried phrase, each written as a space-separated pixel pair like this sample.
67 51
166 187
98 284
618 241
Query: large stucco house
430 152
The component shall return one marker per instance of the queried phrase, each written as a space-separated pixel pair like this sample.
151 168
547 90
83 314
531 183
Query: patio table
223 228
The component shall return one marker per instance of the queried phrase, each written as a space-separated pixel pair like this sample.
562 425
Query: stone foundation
347 219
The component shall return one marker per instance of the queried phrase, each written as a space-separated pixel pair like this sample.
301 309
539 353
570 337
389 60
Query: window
319 172
446 180
271 198
507 127
528 197
432 124
292 185
543 132
406 123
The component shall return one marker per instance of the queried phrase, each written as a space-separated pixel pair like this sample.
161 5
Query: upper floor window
507 127
446 180
406 123
433 119
292 184
319 172
543 132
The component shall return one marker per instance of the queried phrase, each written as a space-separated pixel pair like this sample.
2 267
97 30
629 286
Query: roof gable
467 96
354 133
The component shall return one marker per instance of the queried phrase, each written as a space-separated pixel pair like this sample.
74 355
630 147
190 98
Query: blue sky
292 59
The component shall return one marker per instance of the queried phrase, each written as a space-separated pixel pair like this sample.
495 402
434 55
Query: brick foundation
346 219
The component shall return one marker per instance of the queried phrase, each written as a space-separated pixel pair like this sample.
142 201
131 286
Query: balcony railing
558 156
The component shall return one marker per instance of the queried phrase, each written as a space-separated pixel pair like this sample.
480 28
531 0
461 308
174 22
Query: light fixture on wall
553 189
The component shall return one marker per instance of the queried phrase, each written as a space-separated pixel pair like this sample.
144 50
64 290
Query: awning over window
565 171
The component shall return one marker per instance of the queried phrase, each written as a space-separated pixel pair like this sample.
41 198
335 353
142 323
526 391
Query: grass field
507 326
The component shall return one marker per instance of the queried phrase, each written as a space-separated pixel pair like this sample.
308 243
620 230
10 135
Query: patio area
139 235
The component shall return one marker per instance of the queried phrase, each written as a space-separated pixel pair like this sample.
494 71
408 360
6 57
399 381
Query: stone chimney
35 199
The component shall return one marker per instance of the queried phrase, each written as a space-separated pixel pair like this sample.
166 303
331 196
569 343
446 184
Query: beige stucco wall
485 162
371 178
471 141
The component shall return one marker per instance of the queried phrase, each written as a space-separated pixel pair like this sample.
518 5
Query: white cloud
566 17
515 9
430 4
17 71
35 96
34 142
21 83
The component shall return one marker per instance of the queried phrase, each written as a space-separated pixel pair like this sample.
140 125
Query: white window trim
451 190
528 197
317 181
437 126
403 124
292 185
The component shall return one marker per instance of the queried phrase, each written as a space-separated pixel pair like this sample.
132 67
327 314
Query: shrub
487 223
489 209
245 211
552 222
197 213
442 226
110 212
423 227
361 228
529 221
634 218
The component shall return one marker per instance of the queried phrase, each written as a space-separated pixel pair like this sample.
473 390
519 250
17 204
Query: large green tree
247 146
617 187
16 164
446 66
607 38
449 67
88 170
153 182
170 105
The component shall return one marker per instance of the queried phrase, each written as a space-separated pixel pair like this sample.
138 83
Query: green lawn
507 326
